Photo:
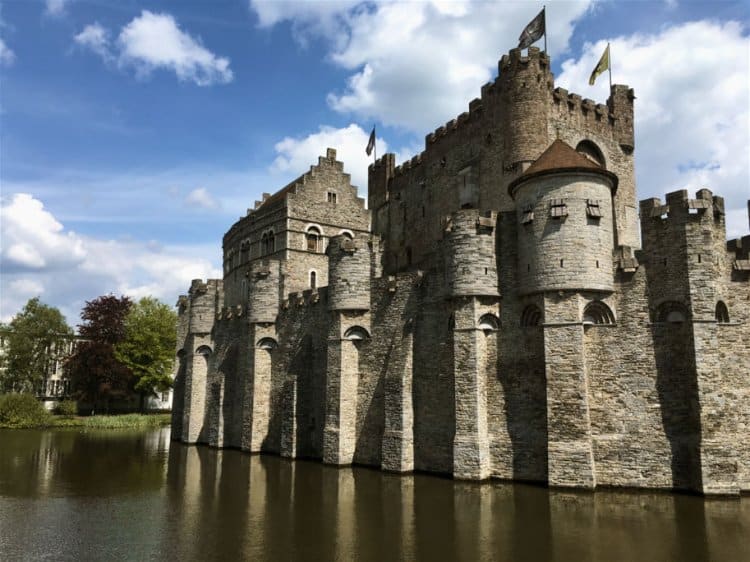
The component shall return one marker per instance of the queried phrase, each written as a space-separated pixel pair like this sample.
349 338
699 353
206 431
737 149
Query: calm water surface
71 495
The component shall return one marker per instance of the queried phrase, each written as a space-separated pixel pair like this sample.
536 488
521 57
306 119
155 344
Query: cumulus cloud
96 38
200 197
32 239
295 155
155 41
40 257
404 53
692 108
55 8
7 56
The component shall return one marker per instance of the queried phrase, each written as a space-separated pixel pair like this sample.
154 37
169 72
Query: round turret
263 281
470 259
565 225
526 86
348 273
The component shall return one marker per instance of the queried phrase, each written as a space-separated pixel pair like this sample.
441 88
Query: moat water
72 495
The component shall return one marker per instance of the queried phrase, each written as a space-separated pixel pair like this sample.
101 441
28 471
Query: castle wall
478 343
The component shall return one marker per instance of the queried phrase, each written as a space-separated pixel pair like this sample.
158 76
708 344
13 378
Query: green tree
95 373
32 339
148 347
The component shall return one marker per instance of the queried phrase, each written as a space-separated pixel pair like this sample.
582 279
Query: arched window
722 313
312 236
671 311
347 233
591 151
596 312
267 343
271 243
489 323
531 316
313 280
356 333
264 244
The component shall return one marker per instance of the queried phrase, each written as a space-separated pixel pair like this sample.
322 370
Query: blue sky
134 133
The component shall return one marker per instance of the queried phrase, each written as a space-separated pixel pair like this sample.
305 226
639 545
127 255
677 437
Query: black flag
371 143
532 32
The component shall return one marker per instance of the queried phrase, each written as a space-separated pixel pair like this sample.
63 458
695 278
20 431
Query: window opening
558 209
528 214
593 209
313 239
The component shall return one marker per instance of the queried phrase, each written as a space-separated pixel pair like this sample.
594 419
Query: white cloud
55 8
416 64
96 38
41 257
32 239
692 83
295 155
155 41
200 197
7 56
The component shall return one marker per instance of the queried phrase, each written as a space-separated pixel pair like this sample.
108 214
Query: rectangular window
331 196
528 214
592 209
558 209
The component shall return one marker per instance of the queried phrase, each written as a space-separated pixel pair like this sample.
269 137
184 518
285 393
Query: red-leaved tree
96 375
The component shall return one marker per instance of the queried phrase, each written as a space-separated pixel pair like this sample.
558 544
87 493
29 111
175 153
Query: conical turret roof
560 157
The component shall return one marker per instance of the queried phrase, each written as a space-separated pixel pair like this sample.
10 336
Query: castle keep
493 312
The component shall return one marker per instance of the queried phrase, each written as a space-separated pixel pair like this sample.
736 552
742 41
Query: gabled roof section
560 157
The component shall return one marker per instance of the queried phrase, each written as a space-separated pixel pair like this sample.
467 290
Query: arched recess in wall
591 151
356 333
348 233
313 279
531 316
204 350
722 313
268 344
596 312
672 312
488 323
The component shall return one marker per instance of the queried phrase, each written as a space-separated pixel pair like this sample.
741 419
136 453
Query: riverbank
121 421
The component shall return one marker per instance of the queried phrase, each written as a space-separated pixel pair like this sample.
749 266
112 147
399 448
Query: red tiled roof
560 157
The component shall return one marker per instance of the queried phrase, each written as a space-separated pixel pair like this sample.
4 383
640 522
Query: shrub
22 411
67 408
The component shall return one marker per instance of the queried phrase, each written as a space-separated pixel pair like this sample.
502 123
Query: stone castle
492 313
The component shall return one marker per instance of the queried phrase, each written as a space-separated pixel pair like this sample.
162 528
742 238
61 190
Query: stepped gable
279 195
559 157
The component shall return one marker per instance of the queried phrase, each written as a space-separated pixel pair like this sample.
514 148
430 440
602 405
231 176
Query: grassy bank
122 421
24 411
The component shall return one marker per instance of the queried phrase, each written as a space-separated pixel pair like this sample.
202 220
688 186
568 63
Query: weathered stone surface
456 329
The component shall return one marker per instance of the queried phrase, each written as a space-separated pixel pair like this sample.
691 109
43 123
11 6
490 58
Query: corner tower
565 246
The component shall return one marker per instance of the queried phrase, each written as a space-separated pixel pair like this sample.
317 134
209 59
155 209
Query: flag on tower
601 66
533 31
371 142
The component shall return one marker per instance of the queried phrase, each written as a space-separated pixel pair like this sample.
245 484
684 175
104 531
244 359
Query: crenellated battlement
515 61
679 207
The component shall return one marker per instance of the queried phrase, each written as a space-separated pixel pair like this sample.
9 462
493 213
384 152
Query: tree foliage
95 372
148 346
33 338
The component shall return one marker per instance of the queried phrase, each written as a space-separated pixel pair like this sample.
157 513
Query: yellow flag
601 66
